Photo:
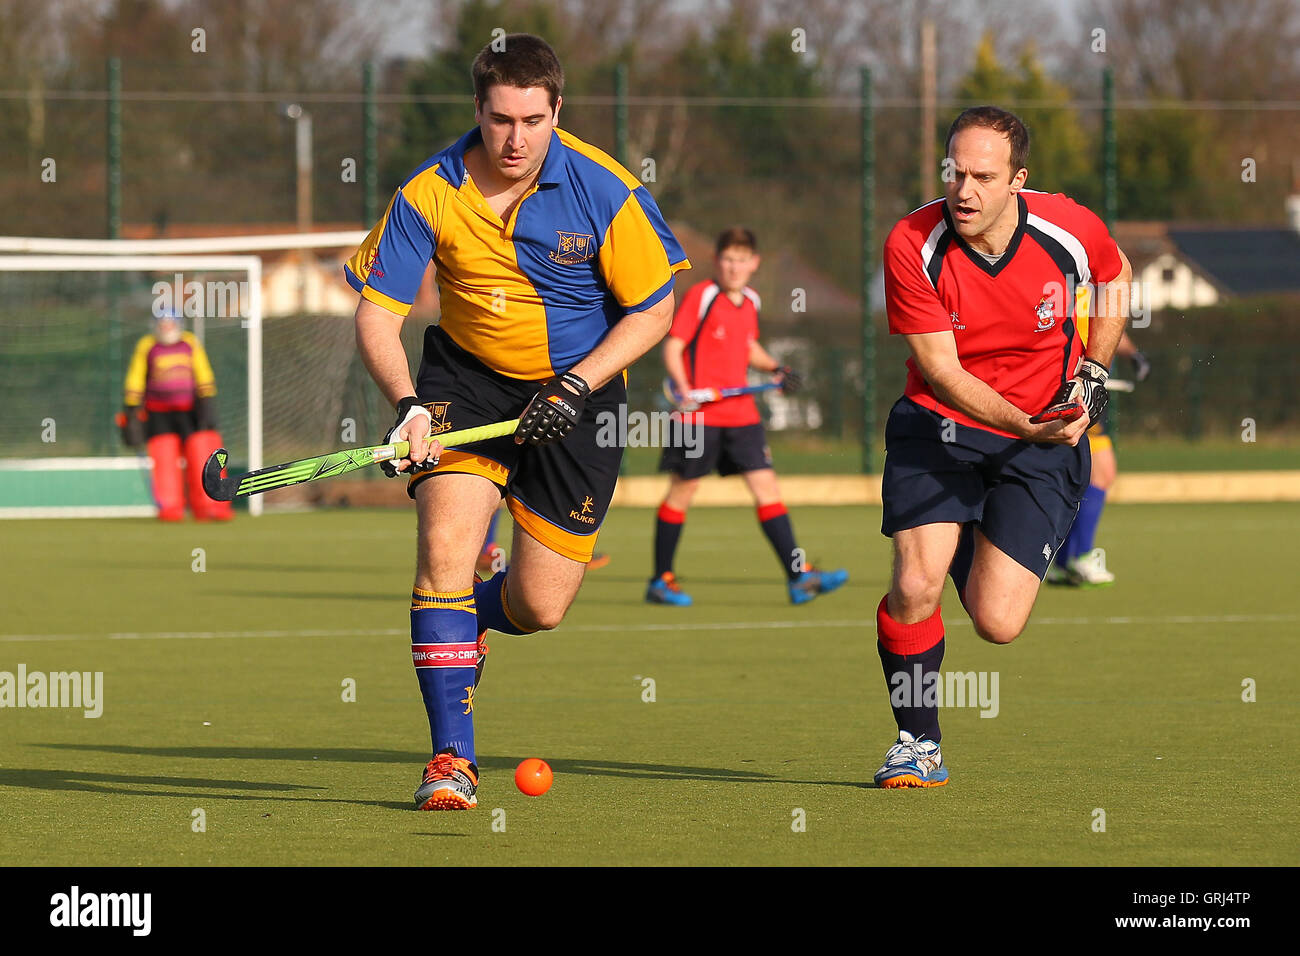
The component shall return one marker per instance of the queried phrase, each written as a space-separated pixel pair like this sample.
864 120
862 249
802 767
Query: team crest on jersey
1046 314
573 248
438 412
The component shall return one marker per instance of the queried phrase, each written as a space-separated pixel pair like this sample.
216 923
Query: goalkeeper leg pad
198 446
168 485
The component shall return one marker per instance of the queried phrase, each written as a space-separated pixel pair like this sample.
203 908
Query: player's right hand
131 422
413 425
693 398
1059 431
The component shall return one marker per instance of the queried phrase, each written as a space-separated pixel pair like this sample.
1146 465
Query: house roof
1243 260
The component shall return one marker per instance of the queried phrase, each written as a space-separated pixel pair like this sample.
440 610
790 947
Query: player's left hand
554 410
789 380
1086 389
1141 366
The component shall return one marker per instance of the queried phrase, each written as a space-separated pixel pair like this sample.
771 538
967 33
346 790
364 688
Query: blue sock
1084 530
493 613
491 537
444 648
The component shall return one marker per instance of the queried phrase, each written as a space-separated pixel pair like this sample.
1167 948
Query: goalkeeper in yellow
169 409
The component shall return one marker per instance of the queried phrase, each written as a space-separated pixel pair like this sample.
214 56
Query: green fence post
868 212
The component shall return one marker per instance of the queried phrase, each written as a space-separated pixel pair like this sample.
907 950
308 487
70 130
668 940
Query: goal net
277 327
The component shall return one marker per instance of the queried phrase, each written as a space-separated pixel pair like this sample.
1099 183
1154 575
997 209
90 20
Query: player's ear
478 110
555 114
1018 180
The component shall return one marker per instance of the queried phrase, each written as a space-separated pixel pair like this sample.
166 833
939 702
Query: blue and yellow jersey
532 296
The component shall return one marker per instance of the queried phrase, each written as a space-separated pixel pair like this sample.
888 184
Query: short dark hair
737 237
526 61
998 120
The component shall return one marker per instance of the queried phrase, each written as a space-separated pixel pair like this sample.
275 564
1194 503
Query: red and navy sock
775 521
668 531
444 649
492 606
911 655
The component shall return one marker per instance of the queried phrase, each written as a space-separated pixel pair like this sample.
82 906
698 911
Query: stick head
1068 411
215 483
671 393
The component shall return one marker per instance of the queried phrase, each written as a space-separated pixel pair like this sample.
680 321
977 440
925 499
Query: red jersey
718 334
1016 321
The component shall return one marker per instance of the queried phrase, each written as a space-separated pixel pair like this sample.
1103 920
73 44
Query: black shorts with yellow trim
558 493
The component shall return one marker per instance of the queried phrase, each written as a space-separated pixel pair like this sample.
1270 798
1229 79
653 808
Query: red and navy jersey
1016 321
718 334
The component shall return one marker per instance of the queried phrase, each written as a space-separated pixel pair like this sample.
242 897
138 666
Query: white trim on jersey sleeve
706 300
1066 238
927 249
753 297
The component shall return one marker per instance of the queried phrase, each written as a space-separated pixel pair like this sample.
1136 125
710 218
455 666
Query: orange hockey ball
533 777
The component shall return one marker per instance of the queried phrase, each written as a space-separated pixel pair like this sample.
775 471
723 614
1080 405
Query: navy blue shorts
1023 495
726 449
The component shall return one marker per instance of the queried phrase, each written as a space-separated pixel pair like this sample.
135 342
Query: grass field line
650 628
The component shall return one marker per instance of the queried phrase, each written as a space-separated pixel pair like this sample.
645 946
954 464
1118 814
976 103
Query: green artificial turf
223 692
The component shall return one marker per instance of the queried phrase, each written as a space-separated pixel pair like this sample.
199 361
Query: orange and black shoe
598 560
487 563
482 656
449 783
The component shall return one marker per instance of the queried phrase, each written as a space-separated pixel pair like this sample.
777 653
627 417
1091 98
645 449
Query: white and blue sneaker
812 582
912 763
664 590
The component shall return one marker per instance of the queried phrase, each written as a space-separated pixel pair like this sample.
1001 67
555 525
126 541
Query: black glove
131 423
1141 366
791 381
553 411
407 409
205 414
1087 388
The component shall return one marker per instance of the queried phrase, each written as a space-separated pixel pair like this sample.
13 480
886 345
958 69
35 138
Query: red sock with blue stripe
911 655
444 649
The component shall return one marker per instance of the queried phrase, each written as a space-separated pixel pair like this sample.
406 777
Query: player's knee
538 618
996 628
918 594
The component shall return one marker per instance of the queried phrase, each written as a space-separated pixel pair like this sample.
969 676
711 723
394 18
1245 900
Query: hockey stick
716 394
327 466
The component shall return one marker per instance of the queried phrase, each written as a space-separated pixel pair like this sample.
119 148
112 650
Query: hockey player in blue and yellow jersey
555 272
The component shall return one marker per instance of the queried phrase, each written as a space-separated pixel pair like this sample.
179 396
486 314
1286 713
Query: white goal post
241 256
248 265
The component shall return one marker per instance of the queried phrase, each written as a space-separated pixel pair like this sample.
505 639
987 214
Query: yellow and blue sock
1084 530
444 649
493 606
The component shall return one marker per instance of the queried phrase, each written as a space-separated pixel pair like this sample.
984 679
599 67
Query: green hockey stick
327 466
